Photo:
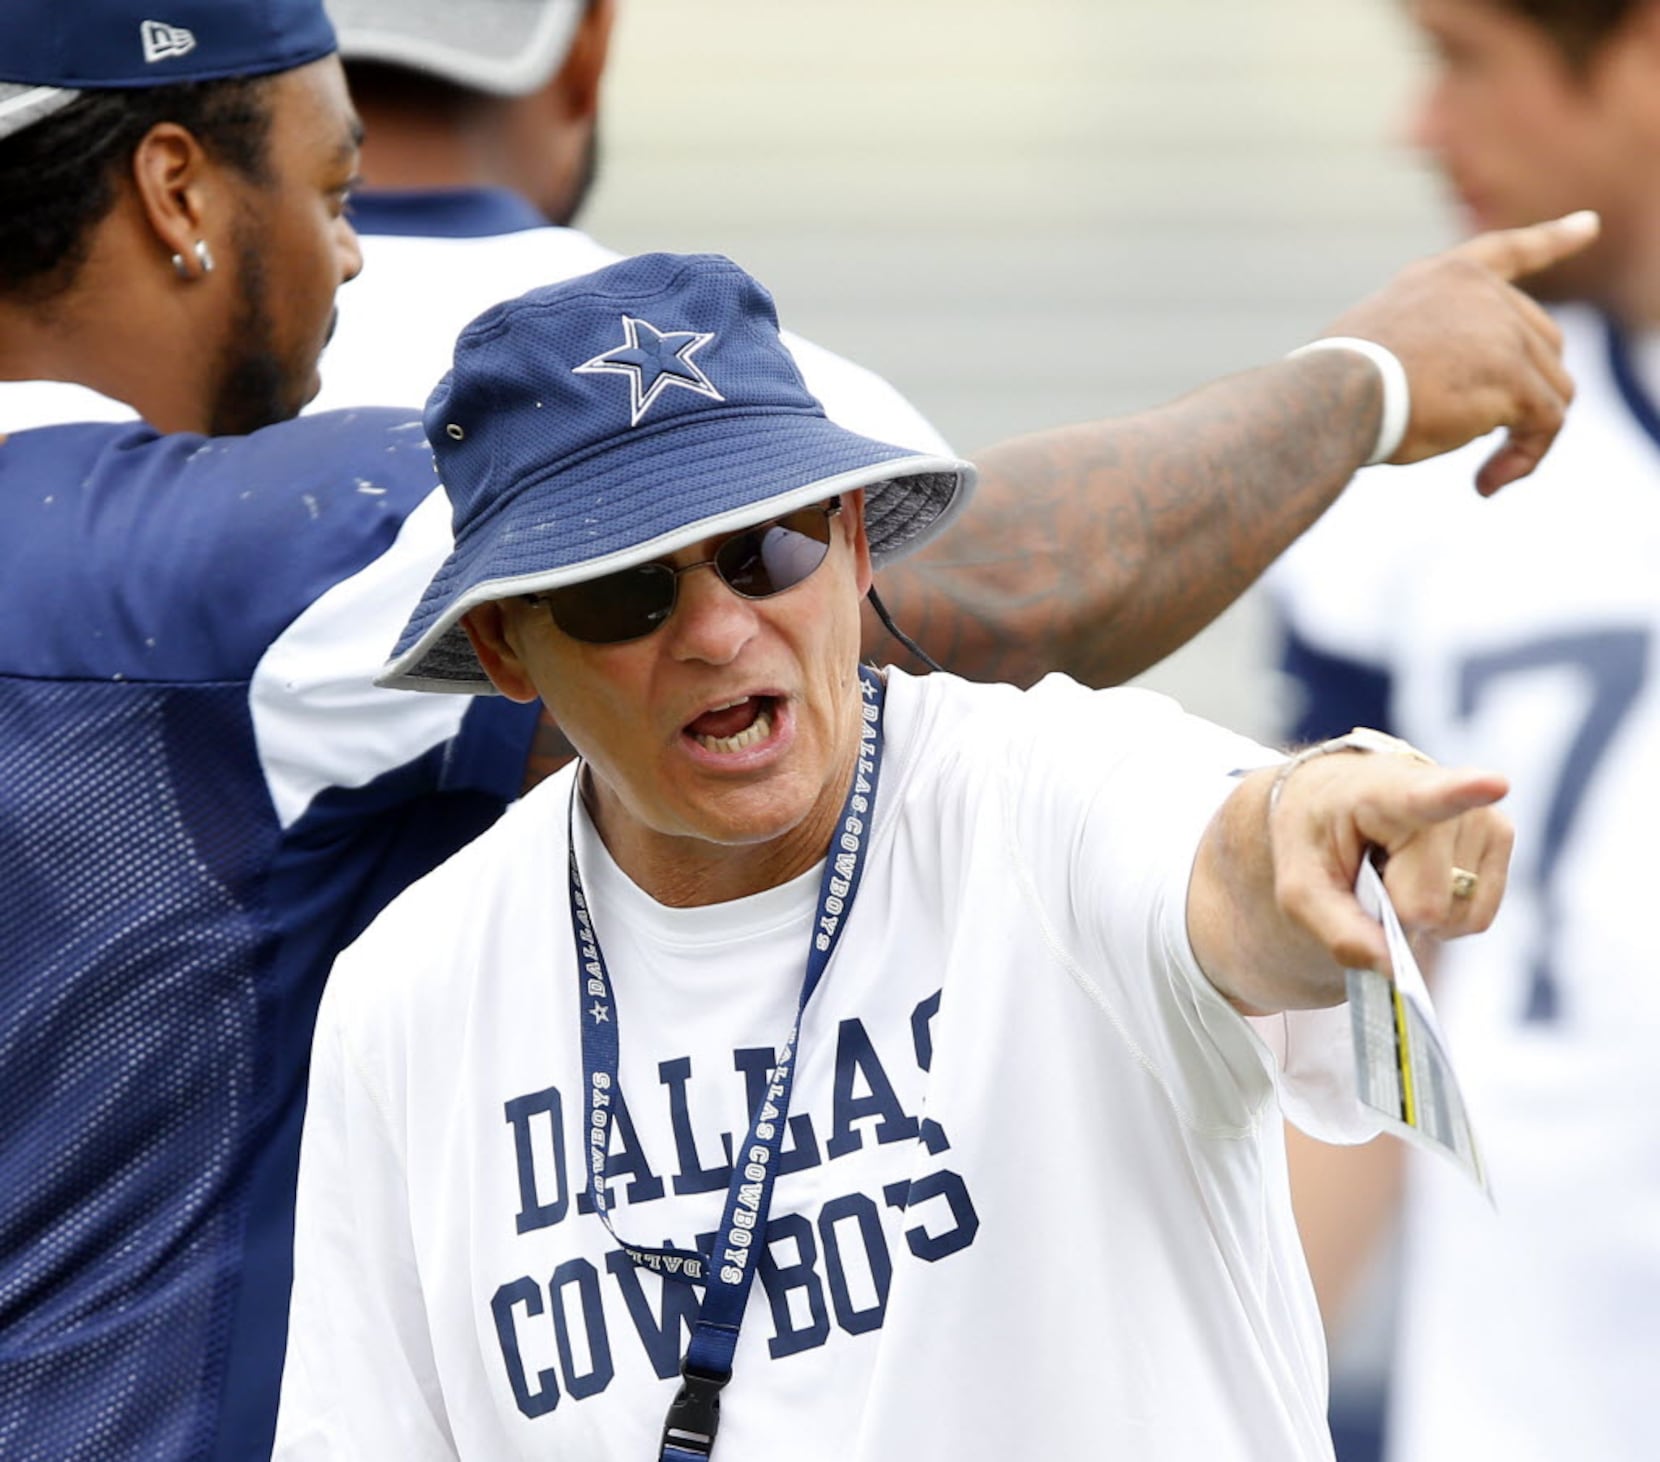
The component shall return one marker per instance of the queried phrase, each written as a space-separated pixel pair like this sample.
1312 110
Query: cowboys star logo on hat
653 360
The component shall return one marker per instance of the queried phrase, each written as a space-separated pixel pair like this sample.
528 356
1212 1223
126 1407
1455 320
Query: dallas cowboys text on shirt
818 1276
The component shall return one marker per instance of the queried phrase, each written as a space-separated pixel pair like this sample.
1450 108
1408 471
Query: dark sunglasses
755 562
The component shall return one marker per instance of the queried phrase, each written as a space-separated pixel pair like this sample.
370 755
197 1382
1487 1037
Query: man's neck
404 150
1637 308
1627 272
459 144
86 340
472 142
687 872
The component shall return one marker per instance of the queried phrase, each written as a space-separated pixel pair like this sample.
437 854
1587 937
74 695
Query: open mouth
735 726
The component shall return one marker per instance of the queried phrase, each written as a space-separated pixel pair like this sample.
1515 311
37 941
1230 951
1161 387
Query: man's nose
711 621
351 253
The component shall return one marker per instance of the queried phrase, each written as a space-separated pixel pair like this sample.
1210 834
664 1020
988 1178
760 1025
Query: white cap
508 47
22 105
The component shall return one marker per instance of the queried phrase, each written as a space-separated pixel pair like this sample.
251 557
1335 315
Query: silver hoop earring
204 260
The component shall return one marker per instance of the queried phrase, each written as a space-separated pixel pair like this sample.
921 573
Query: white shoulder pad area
319 721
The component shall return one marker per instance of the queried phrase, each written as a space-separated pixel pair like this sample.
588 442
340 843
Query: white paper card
1401 1065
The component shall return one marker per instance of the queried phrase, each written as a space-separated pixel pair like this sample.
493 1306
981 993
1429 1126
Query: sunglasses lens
621 606
631 603
775 556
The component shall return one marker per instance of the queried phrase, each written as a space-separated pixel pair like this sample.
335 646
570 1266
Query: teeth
758 730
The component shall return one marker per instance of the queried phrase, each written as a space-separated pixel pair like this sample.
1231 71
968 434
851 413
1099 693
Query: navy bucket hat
619 417
52 50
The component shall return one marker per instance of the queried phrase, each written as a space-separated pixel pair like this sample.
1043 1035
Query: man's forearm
1098 549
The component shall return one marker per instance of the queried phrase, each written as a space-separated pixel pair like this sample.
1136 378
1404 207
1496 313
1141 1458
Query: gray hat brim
505 47
22 105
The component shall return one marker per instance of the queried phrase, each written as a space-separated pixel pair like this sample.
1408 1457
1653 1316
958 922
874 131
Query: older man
923 1003
203 795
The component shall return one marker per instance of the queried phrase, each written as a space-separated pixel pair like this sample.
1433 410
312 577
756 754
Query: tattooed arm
1098 549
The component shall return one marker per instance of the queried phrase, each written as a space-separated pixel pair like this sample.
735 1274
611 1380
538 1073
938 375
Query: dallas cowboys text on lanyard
694 1415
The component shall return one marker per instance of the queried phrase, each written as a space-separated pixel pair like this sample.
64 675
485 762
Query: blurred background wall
1029 214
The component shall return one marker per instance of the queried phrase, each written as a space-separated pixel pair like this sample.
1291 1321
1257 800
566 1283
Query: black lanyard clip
694 1416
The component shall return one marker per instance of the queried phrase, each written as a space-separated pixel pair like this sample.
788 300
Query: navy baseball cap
52 50
621 416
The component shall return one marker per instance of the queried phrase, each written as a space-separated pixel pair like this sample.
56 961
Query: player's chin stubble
253 389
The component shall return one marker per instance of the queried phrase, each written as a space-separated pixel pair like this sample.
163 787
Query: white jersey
1521 634
433 261
1033 1197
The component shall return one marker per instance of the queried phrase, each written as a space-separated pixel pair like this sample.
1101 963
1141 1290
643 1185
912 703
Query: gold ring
1463 883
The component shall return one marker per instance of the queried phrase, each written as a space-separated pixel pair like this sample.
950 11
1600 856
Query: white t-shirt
432 261
1033 1203
1522 633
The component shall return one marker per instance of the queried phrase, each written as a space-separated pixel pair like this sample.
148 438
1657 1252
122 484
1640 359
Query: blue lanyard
694 1414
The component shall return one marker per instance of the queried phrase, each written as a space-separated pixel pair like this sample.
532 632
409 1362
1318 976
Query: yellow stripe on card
1403 1059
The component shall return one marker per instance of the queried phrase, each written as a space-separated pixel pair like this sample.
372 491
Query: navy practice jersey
202 798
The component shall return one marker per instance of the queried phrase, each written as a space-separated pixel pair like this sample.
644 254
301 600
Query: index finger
1513 252
1434 795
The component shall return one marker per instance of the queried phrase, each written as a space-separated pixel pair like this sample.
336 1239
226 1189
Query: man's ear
853 517
486 626
579 75
172 177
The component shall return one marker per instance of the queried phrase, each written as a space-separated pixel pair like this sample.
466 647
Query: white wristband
1397 395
